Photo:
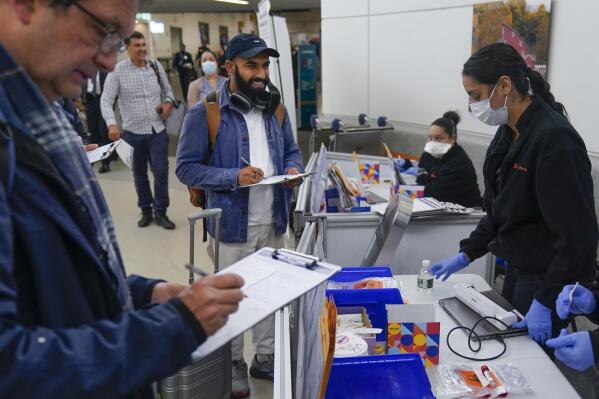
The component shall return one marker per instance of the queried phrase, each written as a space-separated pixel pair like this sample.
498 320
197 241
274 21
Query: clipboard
280 179
103 152
273 278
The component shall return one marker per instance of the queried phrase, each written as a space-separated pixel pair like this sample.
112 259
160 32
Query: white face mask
483 111
209 67
437 149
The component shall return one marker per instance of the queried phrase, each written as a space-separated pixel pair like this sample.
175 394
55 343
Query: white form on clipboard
103 152
279 179
269 285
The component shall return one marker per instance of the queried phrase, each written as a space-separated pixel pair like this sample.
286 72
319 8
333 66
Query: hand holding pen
212 299
249 174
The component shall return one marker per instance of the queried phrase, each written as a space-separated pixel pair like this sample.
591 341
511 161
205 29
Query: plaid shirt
138 94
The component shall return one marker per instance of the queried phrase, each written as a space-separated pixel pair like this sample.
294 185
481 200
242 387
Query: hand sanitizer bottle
425 279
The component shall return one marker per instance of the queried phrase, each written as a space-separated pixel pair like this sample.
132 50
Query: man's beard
246 88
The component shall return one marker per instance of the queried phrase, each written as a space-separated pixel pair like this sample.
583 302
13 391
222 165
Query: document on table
103 152
269 285
278 179
422 206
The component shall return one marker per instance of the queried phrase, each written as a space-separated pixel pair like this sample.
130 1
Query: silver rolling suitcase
209 378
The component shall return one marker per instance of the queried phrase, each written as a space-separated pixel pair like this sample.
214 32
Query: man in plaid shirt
145 100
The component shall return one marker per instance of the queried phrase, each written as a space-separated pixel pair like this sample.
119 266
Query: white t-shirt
261 197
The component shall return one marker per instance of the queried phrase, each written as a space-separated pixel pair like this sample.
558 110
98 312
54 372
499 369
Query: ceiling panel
177 6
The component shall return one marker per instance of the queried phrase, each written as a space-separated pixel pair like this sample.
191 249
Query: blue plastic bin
372 299
375 377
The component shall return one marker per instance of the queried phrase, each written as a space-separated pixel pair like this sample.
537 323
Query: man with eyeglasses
145 100
72 325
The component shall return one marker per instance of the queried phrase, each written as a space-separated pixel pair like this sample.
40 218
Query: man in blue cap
254 141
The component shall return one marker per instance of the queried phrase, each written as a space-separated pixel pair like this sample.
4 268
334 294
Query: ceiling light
244 2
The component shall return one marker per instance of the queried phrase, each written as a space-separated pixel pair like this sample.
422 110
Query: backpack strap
280 113
213 116
7 157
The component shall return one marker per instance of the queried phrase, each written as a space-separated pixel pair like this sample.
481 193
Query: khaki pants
263 333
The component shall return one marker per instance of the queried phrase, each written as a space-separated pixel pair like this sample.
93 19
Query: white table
538 369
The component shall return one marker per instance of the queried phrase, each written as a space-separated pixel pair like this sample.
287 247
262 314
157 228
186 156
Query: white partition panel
343 8
574 64
419 89
387 6
345 65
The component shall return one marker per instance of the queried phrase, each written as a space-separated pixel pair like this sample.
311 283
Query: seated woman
444 169
211 81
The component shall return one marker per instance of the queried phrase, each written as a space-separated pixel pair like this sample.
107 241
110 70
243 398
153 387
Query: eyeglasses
112 40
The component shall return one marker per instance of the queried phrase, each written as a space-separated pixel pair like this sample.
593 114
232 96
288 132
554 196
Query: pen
572 293
196 270
200 272
247 163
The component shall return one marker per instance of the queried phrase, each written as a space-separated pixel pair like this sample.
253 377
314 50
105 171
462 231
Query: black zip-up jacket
539 202
451 178
594 317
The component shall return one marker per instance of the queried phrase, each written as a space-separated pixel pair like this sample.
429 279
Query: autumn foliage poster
524 24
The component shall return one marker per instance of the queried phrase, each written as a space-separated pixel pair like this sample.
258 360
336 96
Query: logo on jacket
519 167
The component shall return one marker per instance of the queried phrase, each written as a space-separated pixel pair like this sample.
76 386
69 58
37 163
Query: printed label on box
370 173
422 338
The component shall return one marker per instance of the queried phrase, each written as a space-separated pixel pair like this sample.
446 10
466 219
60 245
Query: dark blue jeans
152 149
519 289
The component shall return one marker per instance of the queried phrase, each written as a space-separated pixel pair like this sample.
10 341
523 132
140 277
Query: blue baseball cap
246 45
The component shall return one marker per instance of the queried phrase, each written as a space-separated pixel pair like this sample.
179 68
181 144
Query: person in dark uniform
444 169
183 62
538 190
95 122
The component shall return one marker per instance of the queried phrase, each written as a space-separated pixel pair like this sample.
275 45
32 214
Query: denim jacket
219 176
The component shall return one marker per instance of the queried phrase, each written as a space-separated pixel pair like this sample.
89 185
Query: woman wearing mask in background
444 169
538 190
211 81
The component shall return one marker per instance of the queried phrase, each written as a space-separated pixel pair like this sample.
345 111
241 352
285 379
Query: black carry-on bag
210 377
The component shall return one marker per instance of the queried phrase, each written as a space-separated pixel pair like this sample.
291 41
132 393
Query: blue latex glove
450 265
574 350
400 163
411 171
538 321
583 301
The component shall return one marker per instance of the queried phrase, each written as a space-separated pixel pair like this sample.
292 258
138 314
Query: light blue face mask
493 117
209 67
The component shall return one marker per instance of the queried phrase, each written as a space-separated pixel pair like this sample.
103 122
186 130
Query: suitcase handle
204 214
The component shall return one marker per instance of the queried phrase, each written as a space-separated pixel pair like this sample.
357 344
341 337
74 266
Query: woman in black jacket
538 189
446 172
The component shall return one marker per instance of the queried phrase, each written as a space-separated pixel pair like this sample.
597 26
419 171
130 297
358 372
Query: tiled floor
153 251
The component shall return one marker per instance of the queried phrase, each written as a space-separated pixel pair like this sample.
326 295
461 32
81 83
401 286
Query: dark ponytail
541 88
491 62
449 123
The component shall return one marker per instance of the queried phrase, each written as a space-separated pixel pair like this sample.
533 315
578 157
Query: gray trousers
263 333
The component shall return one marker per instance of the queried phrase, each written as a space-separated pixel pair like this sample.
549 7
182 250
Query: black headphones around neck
270 100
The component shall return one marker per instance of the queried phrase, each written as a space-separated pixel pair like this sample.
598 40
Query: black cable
471 332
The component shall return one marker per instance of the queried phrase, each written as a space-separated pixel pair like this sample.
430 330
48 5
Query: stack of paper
427 206
346 190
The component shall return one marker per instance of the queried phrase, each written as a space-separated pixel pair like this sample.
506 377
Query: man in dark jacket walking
72 325
93 113
183 61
